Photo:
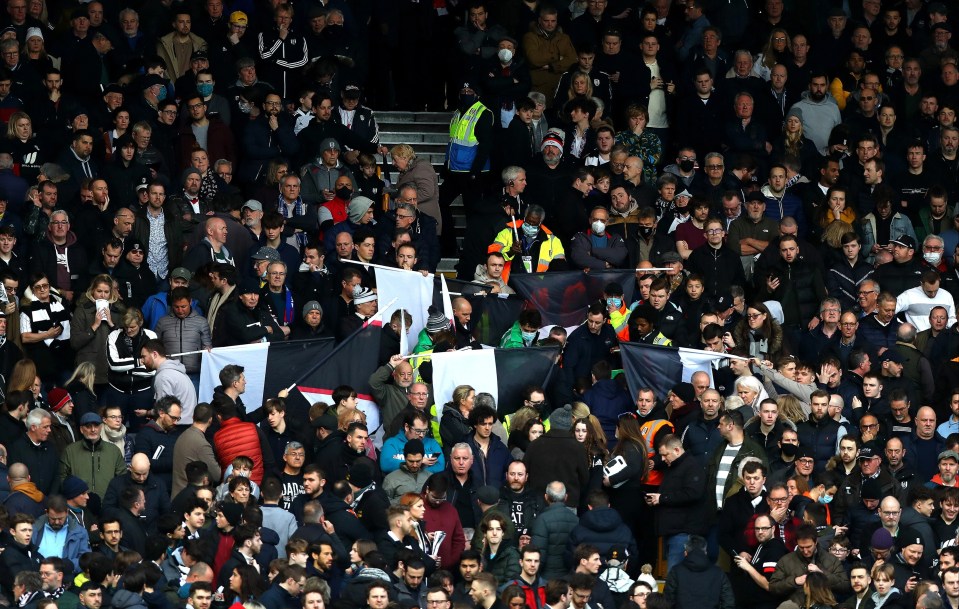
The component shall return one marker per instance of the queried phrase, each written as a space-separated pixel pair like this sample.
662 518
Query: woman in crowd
519 440
81 387
625 486
596 452
759 334
26 148
98 312
417 506
420 173
130 382
454 426
246 584
115 432
45 327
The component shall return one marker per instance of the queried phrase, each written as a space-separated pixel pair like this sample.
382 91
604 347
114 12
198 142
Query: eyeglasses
715 231
60 223
869 426
403 217
714 166
175 419
42 286
759 528
277 274
114 417
419 432
752 316
195 106
779 499
419 393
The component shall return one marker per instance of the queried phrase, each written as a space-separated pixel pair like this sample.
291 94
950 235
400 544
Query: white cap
34 31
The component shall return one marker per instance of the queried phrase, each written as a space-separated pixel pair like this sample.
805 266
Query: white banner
412 292
474 367
251 357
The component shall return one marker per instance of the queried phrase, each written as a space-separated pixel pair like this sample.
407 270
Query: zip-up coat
91 346
191 333
282 60
127 372
96 463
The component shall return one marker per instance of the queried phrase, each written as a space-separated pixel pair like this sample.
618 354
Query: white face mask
505 55
932 258
599 227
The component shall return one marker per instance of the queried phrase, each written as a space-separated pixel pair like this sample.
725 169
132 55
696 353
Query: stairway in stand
428 134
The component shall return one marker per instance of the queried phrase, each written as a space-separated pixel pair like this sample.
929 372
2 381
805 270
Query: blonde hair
790 408
344 418
85 373
403 151
102 278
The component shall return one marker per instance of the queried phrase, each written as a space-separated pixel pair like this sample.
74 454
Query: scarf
208 186
358 495
29 489
301 237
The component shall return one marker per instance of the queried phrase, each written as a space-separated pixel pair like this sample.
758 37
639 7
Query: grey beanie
562 418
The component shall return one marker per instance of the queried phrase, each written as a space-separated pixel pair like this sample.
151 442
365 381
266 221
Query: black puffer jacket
696 583
801 289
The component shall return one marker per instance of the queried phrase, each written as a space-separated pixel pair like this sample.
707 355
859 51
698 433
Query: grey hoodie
171 379
818 119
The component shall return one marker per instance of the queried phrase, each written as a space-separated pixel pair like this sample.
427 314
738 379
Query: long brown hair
630 434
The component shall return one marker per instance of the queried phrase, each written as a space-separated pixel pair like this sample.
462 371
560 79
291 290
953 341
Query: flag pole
337 348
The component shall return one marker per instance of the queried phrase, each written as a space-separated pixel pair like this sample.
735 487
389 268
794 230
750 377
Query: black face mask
468 100
645 231
687 165
344 193
789 450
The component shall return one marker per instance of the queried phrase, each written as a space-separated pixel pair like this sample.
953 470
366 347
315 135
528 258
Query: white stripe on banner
251 357
695 360
412 292
474 367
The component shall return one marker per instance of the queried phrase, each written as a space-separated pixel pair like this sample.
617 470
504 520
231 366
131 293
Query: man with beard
518 500
820 114
268 136
252 215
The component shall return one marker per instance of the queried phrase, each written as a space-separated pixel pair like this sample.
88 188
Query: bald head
889 504
140 461
18 472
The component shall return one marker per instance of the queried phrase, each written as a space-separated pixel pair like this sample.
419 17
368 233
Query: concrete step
414 117
414 137
415 127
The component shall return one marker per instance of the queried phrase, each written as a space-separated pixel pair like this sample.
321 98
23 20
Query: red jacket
237 438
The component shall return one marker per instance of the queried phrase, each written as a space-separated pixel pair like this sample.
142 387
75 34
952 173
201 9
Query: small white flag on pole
447 303
404 340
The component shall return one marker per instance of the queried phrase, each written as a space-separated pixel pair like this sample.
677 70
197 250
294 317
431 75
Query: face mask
789 450
344 193
244 106
645 231
528 336
687 165
598 227
614 302
162 94
825 499
205 89
932 258
505 55
468 100
530 230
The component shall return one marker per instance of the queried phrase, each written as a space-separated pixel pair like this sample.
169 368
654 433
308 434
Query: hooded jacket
90 345
819 119
604 528
697 583
171 379
76 544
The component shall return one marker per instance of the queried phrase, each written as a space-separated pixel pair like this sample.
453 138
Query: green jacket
96 465
513 338
750 448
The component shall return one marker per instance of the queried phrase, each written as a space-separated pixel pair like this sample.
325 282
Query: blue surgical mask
205 88
614 302
528 337
530 230
161 95
825 499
